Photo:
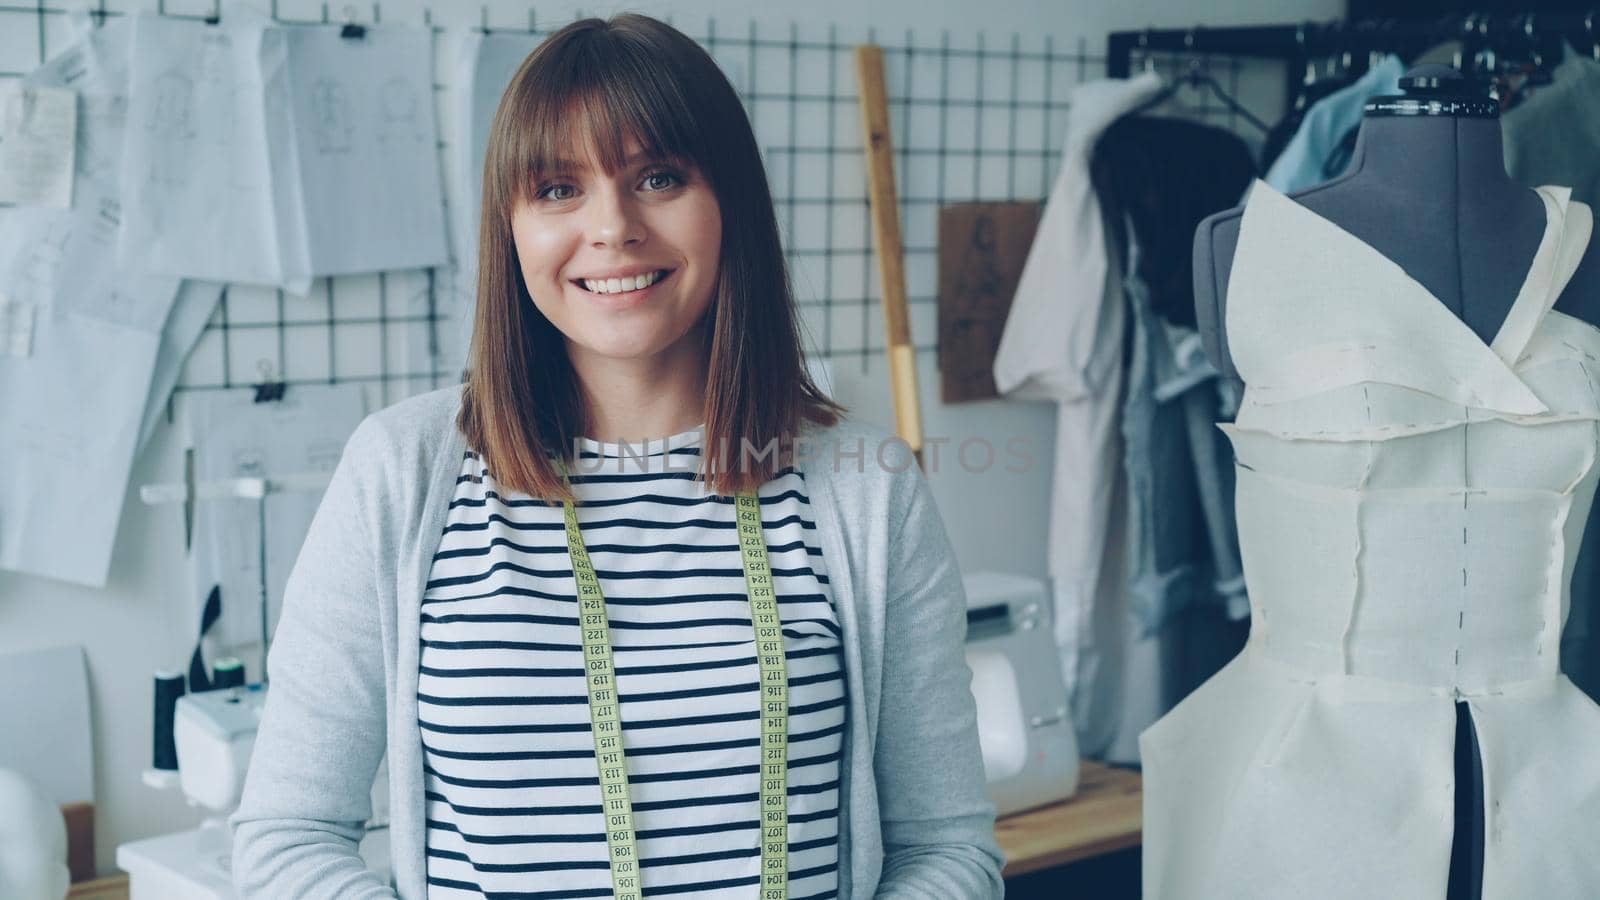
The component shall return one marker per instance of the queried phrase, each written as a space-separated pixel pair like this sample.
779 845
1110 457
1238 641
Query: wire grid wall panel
976 117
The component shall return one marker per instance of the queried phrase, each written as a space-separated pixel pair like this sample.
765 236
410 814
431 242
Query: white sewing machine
215 732
1030 752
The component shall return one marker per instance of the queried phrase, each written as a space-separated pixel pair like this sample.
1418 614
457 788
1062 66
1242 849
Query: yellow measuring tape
606 722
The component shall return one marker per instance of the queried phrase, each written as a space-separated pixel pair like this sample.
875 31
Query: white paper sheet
200 195
197 300
235 437
69 416
365 148
47 715
96 67
37 131
70 410
484 66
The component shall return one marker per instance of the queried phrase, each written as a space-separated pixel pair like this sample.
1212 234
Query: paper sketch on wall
200 193
232 436
172 122
73 405
401 116
96 66
37 143
362 146
98 59
330 116
97 158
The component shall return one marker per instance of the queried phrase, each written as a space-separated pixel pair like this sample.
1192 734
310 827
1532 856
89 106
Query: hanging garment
1313 155
1181 584
1408 500
1284 130
1183 544
1063 342
1181 594
1552 138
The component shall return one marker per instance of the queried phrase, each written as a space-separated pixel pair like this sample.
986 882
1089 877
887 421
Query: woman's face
586 237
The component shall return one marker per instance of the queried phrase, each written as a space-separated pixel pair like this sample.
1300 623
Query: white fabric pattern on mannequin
1410 504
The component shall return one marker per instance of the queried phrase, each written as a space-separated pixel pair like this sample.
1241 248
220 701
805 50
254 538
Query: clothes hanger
1523 67
1324 75
1195 76
1336 72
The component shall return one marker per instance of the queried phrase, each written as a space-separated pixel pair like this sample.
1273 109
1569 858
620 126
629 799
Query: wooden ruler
886 235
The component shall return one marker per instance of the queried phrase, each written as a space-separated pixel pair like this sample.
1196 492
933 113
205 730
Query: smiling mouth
617 286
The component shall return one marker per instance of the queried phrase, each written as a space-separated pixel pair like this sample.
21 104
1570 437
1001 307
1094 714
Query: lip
626 298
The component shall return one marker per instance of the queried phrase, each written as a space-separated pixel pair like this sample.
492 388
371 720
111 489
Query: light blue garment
1184 544
1304 160
343 668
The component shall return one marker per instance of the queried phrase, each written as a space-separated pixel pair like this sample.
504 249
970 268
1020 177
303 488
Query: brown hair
634 76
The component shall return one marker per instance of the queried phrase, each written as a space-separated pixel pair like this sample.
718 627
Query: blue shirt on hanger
1303 161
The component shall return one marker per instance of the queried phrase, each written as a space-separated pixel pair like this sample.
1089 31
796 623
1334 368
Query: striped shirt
511 782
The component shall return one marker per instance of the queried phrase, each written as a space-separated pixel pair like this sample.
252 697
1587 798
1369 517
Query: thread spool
169 687
228 672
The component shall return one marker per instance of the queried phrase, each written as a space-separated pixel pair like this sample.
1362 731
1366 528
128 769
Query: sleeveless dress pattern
1410 503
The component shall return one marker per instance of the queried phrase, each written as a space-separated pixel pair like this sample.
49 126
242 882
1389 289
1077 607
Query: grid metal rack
977 117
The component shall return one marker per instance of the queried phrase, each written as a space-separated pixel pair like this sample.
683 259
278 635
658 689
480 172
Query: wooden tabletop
113 887
1106 814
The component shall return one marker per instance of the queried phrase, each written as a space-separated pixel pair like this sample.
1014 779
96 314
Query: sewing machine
215 732
1030 752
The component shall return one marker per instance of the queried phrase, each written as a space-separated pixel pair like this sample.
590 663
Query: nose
614 219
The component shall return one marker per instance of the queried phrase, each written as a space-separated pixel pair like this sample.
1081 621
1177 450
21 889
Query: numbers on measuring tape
605 717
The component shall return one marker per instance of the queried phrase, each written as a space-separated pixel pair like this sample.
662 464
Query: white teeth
619 285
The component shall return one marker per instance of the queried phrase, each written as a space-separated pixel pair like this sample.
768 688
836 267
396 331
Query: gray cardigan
915 818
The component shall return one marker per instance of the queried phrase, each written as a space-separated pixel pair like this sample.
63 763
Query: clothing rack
1300 43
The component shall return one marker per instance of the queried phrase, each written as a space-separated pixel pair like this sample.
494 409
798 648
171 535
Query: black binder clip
269 389
353 31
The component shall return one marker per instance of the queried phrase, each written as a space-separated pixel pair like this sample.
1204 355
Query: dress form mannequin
1431 193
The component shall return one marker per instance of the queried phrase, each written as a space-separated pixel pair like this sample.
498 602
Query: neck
1438 156
644 398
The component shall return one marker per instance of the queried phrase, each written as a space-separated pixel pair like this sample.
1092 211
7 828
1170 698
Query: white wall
139 622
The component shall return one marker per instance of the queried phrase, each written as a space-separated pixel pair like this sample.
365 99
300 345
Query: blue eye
546 191
673 178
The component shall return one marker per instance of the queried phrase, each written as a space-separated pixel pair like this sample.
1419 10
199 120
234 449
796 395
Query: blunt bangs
599 93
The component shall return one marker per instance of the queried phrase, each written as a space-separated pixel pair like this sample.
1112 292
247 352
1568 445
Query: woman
631 286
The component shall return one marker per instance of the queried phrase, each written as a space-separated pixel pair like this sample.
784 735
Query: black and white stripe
513 801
